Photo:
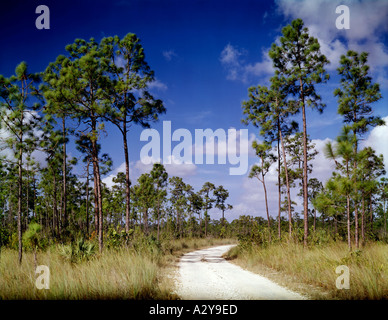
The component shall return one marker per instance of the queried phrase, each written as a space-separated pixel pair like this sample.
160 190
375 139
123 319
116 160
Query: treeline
92 84
355 196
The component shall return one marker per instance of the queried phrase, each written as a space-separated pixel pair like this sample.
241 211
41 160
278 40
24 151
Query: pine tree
259 171
267 108
19 118
129 100
80 81
299 60
355 96
221 195
159 177
343 150
208 200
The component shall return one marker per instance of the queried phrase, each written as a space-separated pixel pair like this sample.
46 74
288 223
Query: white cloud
237 68
176 168
213 146
368 20
378 140
109 179
9 153
169 54
158 85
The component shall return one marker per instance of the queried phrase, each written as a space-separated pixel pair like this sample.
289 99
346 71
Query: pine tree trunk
348 221
355 189
64 195
158 219
363 220
87 201
20 181
55 208
96 210
128 182
279 185
145 219
287 186
305 179
206 224
371 213
266 209
97 183
100 215
315 218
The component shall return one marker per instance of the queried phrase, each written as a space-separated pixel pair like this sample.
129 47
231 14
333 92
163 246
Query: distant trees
221 195
259 172
160 178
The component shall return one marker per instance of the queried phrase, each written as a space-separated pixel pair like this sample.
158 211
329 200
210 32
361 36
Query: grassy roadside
312 271
124 273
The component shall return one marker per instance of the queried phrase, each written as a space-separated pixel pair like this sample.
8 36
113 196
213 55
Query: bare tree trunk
64 195
206 224
87 200
279 185
55 208
266 209
355 190
287 186
145 219
97 184
348 221
363 220
315 218
158 220
20 181
128 182
96 210
100 216
371 213
27 195
305 178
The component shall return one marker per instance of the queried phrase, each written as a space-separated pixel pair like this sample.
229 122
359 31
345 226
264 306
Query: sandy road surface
203 274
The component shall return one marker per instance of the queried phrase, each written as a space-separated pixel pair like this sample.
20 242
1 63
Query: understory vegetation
312 271
139 270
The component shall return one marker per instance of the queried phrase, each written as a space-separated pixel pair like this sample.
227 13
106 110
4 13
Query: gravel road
205 275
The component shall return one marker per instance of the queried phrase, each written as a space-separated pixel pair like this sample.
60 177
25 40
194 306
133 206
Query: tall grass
136 272
316 267
120 274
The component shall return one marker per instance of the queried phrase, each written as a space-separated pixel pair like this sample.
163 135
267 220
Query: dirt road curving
204 274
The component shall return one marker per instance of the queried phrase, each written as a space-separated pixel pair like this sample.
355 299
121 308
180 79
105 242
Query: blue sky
205 55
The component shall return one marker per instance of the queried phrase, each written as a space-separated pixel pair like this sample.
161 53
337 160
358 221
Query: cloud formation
368 22
232 59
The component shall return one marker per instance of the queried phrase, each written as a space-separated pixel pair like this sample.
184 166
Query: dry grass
312 271
121 274
116 274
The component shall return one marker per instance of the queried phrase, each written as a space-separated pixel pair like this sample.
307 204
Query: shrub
79 251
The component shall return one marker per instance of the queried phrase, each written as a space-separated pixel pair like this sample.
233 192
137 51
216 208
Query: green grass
123 273
312 270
